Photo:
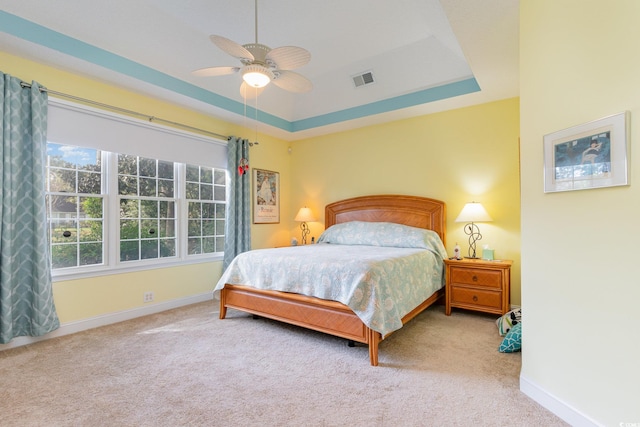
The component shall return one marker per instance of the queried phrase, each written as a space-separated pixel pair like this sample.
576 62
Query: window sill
62 275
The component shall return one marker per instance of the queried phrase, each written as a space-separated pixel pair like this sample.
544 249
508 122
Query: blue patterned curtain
26 297
237 232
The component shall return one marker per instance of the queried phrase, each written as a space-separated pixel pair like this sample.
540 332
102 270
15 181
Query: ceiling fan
262 65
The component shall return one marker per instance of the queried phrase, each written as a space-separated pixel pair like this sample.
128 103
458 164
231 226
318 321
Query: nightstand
476 284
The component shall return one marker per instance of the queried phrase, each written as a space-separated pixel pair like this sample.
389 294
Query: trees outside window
205 193
150 200
75 205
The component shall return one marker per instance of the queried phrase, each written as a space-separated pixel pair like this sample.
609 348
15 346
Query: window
205 190
75 203
113 204
147 205
147 208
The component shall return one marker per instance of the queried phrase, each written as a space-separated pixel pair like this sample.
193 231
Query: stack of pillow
510 327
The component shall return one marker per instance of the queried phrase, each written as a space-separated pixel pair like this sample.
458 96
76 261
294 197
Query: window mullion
181 210
112 201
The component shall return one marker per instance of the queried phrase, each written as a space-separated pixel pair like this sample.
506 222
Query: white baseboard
108 319
555 405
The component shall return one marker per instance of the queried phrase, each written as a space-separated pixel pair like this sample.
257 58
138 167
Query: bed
327 314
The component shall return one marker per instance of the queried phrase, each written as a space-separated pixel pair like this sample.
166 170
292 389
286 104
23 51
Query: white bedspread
380 284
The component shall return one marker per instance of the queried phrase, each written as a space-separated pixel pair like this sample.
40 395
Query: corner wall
458 156
580 290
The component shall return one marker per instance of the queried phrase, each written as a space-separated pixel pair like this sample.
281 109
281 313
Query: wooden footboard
330 317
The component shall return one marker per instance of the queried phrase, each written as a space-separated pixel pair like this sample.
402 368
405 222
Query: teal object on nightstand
487 254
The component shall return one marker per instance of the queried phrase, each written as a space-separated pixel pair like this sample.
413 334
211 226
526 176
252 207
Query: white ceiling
426 55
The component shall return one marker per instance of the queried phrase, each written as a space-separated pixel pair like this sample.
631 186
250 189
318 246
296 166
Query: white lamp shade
305 215
257 75
473 212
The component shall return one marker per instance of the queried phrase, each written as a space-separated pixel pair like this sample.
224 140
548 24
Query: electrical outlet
148 297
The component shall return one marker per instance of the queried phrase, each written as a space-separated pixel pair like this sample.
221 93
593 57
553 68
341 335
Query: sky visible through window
76 155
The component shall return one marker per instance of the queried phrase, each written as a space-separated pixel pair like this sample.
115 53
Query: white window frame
83 126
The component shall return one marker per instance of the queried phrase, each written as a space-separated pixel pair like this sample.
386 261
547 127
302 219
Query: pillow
383 234
509 320
512 342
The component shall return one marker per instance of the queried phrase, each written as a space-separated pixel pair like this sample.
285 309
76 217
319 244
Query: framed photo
591 155
266 197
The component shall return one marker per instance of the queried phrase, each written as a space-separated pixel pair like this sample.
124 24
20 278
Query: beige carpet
185 367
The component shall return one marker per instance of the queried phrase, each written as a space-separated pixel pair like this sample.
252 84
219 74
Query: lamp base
472 257
305 231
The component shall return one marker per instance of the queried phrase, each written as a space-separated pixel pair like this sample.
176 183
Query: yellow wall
580 287
458 156
86 298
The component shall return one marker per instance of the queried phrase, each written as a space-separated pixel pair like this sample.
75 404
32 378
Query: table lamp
473 212
304 215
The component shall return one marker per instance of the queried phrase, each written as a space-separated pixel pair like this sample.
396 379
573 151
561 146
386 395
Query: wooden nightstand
480 285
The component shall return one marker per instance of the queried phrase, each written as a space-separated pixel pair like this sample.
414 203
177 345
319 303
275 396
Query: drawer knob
474 278
475 298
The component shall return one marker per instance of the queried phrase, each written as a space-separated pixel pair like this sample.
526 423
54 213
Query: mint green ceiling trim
43 36
409 100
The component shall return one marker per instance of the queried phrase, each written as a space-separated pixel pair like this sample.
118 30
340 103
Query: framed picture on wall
590 155
266 197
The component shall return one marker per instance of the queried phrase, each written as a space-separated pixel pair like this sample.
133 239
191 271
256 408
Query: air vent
363 79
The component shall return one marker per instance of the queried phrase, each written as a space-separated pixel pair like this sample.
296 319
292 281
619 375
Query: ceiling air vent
363 79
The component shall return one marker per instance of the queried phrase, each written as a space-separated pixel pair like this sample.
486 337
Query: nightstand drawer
476 297
476 277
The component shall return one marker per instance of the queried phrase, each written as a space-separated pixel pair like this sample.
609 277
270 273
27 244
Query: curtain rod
123 110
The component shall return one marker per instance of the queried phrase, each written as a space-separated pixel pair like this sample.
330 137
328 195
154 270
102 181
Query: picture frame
587 156
266 197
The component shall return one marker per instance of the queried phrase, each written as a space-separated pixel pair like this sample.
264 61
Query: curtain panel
26 296
237 232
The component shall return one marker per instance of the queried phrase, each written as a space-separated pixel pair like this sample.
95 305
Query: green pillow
512 342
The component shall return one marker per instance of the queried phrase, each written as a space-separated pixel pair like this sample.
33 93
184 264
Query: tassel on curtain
238 217
26 297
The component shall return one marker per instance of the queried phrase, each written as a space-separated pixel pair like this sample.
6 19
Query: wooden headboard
415 211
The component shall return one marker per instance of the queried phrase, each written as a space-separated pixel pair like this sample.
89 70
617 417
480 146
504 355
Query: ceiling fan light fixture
257 75
261 64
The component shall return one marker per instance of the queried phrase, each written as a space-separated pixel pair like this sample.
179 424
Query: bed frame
332 317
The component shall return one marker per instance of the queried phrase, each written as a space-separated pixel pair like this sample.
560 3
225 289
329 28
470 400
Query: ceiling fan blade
216 71
250 92
292 82
288 57
232 48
